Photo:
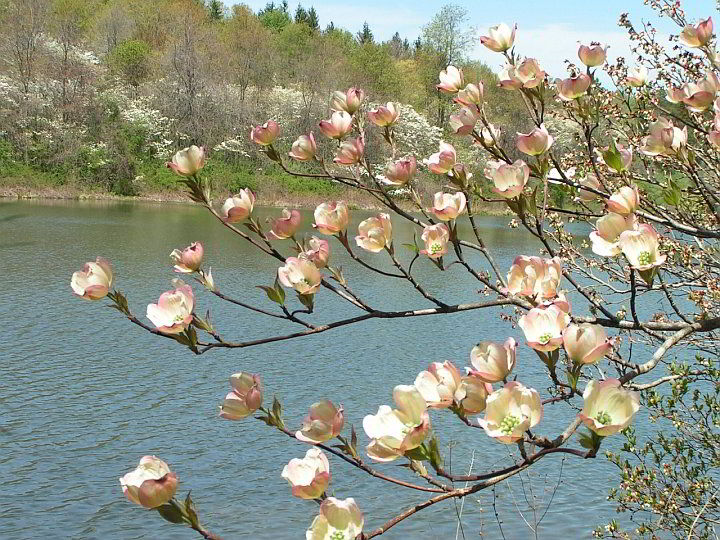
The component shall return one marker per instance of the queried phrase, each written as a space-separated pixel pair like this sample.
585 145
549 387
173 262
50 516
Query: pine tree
365 35
313 21
301 16
216 10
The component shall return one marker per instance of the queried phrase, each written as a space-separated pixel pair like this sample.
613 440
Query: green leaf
171 512
277 295
307 300
191 511
418 454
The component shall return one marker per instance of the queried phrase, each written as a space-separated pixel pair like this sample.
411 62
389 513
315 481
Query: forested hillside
97 94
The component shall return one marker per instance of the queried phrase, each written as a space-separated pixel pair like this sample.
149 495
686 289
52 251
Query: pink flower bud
400 172
525 75
490 135
150 484
267 133
347 101
607 234
189 259
574 87
438 384
331 218
665 139
285 226
590 181
339 125
443 161
238 208
700 95
341 516
592 56
317 251
714 138
472 394
451 80
535 143
308 477
509 180
501 38
493 362
384 115
463 123
304 148
436 238
471 95
245 398
447 206
586 343
624 201
699 35
94 281
375 233
301 275
350 152
637 76
173 312
324 422
188 161
535 277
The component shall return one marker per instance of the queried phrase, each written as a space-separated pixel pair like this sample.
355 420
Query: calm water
84 394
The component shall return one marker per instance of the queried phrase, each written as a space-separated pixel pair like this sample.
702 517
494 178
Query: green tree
216 10
131 60
275 17
301 16
365 35
313 21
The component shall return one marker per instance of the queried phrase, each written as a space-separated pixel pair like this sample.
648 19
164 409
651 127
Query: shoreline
354 199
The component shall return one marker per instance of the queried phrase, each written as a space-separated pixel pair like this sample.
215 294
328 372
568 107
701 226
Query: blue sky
548 30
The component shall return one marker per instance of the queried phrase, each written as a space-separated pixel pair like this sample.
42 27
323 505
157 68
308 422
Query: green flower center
509 423
545 338
436 248
603 418
178 318
645 258
337 535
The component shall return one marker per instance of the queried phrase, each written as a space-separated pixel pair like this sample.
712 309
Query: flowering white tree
645 175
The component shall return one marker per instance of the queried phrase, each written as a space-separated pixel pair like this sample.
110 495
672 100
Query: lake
84 393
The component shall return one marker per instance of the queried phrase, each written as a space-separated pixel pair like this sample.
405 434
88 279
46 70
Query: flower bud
586 343
590 181
400 172
443 161
438 384
509 180
501 37
637 76
304 148
286 226
375 233
451 80
324 422
535 143
341 519
698 35
339 125
350 152
239 207
331 218
463 122
189 259
317 251
592 56
493 362
150 484
93 282
188 161
607 234
447 206
266 134
245 398
472 394
543 328
624 201
574 87
490 135
471 95
301 275
308 477
348 102
384 115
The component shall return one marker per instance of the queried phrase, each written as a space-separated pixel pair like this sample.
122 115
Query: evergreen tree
313 21
216 10
330 28
301 16
365 35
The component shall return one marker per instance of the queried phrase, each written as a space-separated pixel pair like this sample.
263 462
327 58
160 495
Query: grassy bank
156 183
